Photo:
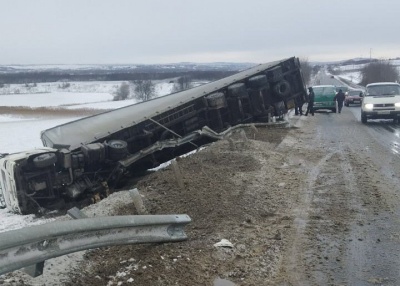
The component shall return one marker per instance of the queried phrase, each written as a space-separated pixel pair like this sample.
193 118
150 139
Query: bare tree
183 83
122 92
378 72
306 70
144 89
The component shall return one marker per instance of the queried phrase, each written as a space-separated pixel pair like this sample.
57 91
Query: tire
258 81
346 104
216 100
282 89
334 110
237 90
363 118
274 74
118 146
45 160
117 149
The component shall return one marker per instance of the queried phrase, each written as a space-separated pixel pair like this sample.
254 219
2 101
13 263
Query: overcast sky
168 31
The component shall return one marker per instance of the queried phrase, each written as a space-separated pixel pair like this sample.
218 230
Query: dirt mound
234 190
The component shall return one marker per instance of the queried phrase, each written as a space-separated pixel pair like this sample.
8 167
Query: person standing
310 106
298 105
339 97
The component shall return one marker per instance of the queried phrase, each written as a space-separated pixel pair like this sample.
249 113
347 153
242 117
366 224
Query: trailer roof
73 134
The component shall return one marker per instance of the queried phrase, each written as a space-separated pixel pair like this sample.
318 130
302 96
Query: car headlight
397 104
369 106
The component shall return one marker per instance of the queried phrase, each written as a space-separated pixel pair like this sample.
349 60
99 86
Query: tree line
144 90
380 71
63 76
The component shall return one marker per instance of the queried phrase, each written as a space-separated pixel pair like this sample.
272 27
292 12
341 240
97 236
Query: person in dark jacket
298 105
339 97
310 106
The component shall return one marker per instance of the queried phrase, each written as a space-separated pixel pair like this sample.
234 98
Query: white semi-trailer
87 157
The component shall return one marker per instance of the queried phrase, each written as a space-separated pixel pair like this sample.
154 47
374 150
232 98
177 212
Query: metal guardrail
31 246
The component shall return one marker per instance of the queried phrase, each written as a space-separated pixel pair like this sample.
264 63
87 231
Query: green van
324 95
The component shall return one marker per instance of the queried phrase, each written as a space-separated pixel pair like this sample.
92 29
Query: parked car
324 95
381 100
354 96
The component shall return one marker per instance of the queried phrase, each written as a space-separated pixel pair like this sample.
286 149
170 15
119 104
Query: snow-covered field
352 73
21 131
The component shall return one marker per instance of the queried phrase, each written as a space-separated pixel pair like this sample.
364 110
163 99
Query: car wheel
363 118
346 104
334 110
44 160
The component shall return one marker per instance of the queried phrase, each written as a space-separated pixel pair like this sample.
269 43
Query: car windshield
383 90
354 92
326 90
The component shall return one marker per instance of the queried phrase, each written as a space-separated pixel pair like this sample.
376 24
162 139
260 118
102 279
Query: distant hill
53 73
356 61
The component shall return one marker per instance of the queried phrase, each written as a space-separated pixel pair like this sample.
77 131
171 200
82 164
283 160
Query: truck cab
38 178
10 172
381 101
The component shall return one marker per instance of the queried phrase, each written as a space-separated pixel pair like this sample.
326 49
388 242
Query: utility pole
370 53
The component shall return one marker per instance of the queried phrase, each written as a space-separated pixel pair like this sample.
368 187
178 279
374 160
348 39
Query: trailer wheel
282 88
216 100
44 160
258 81
274 74
237 90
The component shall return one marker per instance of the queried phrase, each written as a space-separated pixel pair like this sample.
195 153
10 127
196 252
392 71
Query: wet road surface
348 229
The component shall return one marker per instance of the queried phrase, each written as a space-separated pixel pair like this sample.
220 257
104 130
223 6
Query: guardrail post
76 213
137 201
35 270
178 174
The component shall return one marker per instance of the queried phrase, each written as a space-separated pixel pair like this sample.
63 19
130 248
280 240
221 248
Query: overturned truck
89 156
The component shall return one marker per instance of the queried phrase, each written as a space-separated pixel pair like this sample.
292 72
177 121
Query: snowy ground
352 73
23 129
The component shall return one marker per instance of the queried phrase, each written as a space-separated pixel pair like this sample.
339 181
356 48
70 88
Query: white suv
382 100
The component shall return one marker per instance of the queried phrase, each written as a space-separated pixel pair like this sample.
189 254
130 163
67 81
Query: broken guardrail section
31 246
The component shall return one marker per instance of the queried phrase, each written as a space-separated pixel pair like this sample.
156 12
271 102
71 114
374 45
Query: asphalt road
384 131
350 231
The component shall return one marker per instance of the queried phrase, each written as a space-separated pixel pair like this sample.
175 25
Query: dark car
354 96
